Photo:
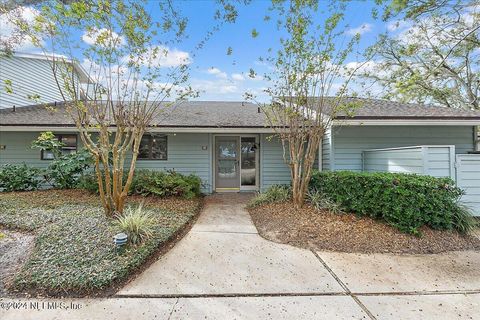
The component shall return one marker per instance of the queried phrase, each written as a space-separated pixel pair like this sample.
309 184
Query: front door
227 163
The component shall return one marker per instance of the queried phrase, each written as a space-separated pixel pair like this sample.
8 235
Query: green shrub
405 201
158 183
321 201
275 193
65 171
138 224
88 182
15 177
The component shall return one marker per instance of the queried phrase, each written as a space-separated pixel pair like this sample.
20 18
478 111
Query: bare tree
436 60
132 71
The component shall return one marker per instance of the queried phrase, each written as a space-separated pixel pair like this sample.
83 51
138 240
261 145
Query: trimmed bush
150 182
275 193
15 177
405 201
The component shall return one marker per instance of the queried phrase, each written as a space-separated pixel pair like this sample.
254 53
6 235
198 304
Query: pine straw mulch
321 230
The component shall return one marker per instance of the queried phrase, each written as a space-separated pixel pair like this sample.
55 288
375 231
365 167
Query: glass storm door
248 163
227 158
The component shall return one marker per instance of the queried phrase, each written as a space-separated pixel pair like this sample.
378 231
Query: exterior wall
273 169
468 178
349 141
18 150
327 150
398 160
437 161
185 154
29 77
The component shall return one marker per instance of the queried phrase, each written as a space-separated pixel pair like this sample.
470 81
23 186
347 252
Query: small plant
275 193
2 235
138 224
463 220
157 183
19 178
321 201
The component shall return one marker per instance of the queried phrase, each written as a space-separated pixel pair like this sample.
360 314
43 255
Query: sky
218 76
225 77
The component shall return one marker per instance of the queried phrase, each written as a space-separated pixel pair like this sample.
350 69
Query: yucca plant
137 223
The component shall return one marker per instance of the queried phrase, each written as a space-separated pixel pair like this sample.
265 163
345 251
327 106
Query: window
153 147
69 146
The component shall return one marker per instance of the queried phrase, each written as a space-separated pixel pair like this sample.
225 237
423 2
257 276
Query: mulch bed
321 230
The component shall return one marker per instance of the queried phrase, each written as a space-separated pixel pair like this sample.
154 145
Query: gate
468 178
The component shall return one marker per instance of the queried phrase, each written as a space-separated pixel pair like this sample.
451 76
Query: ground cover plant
74 251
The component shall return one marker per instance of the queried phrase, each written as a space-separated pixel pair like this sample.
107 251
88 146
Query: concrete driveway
222 269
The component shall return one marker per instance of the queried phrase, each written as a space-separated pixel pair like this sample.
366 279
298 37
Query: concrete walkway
222 269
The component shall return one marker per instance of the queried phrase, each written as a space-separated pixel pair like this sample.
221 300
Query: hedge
405 201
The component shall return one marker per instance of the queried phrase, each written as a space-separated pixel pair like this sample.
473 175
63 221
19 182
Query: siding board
349 141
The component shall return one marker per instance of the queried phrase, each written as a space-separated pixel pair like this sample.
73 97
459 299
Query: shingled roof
222 114
384 109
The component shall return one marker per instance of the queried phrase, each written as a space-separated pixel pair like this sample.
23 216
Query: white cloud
398 25
238 77
161 57
102 37
217 73
217 86
361 29
171 57
8 29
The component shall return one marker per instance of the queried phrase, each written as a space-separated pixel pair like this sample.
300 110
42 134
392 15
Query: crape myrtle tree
132 71
308 84
132 66
435 58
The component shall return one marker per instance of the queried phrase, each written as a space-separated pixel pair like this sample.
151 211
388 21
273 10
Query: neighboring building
229 146
27 79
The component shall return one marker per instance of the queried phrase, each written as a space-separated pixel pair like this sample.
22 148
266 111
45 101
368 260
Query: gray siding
18 150
327 150
440 162
468 178
398 160
437 161
29 77
273 169
185 155
349 141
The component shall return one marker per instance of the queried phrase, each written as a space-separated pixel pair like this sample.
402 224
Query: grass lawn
74 251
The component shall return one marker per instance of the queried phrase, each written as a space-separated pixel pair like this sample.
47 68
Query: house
28 78
229 146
